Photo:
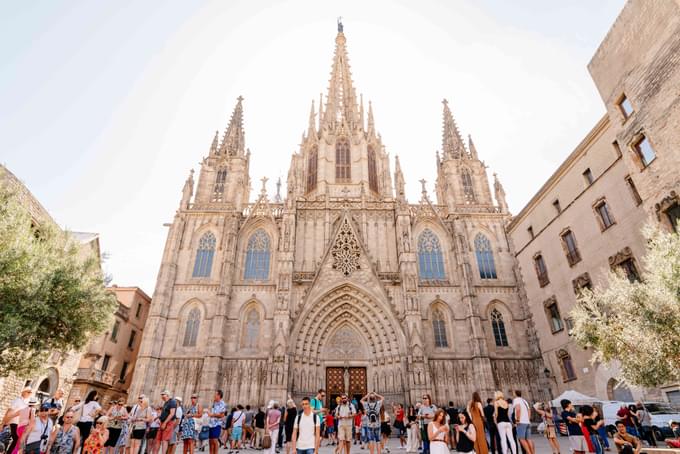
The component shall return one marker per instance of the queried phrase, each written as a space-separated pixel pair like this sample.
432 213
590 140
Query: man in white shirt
18 404
344 413
522 413
306 430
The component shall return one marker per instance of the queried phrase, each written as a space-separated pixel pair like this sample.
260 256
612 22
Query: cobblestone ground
542 447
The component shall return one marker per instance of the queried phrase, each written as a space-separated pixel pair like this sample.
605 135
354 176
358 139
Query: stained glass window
439 329
498 327
191 328
204 255
485 262
252 331
430 258
257 256
343 169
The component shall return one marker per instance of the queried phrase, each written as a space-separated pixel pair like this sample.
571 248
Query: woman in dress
65 439
123 443
438 433
503 423
272 423
288 423
550 431
97 438
385 429
413 432
115 417
187 427
466 435
476 411
140 416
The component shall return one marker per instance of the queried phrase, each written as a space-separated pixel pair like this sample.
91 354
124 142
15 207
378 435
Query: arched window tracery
204 255
430 257
485 261
257 256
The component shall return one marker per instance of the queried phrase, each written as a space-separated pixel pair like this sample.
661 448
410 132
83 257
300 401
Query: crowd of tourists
498 425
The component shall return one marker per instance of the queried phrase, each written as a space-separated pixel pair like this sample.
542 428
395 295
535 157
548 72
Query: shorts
236 433
578 443
114 433
330 430
215 432
345 433
166 434
523 431
373 434
138 434
152 433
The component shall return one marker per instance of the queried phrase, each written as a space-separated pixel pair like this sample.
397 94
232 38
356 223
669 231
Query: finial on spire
422 183
278 191
340 26
263 191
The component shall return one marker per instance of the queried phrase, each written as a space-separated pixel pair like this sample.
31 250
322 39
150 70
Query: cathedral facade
340 283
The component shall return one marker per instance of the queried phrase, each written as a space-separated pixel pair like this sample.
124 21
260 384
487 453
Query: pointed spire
320 110
311 128
370 130
341 102
361 111
233 143
399 180
278 199
215 143
499 193
452 143
471 147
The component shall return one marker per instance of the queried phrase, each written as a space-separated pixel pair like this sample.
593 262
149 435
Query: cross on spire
422 182
263 191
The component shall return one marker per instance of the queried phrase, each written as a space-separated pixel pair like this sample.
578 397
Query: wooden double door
351 380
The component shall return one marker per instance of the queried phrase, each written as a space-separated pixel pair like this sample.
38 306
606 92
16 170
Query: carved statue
188 190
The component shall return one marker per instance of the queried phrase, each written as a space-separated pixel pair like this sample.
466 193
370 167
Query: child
330 429
357 427
364 428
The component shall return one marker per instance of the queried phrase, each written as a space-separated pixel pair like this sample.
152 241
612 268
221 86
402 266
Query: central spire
233 143
452 144
341 103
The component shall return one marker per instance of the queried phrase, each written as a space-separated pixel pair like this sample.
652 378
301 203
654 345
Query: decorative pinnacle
340 26
422 182
263 191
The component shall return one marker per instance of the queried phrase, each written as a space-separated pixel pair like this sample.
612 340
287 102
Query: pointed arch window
191 328
372 170
430 257
343 170
485 262
498 327
566 365
257 256
204 255
468 188
439 329
312 168
252 329
218 188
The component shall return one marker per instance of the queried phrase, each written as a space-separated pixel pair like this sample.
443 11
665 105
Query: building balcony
96 376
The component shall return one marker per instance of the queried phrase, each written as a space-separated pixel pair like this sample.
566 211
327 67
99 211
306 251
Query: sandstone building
107 364
587 217
341 283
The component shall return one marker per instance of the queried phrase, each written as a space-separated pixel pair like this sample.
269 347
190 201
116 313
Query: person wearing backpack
344 414
372 403
306 430
317 406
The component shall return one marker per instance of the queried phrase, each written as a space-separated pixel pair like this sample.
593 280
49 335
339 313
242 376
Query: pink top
273 418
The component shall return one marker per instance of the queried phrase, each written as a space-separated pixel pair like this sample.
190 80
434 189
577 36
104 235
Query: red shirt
399 415
357 419
329 420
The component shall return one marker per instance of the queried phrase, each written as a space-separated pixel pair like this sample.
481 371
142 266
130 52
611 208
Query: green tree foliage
52 296
638 323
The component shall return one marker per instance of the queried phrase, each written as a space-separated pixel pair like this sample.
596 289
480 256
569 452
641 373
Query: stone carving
346 251
623 255
345 344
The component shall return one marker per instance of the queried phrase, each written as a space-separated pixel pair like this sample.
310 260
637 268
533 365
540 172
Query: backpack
352 410
373 414
299 415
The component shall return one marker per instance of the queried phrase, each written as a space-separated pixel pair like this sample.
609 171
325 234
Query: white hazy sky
106 105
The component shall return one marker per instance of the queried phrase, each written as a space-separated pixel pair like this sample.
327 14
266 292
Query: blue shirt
217 407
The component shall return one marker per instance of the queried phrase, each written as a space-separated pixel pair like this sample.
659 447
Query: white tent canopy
575 397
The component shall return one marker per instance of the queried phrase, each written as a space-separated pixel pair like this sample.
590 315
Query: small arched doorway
618 391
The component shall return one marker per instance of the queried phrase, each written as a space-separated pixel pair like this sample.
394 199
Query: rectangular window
569 324
530 229
673 215
633 190
644 150
139 310
554 318
606 219
123 372
588 176
568 369
630 270
114 331
625 106
105 362
541 271
569 241
131 342
556 205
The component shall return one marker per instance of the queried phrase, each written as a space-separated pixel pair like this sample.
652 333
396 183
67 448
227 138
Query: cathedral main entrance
351 380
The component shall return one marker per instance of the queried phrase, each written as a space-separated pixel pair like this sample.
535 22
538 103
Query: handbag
204 434
267 441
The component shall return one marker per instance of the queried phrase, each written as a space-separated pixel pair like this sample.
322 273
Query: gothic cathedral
340 284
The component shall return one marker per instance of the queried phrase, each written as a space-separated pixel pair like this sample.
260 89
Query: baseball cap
166 392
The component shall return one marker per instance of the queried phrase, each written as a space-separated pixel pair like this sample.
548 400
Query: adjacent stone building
107 364
340 283
587 217
60 368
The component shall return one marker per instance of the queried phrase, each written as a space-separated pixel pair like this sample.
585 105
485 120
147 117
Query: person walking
34 439
550 431
289 423
216 413
248 431
260 423
476 412
237 428
272 422
18 414
502 419
522 413
494 439
425 416
64 439
344 414
306 435
372 403
573 421
466 435
438 433
385 429
399 423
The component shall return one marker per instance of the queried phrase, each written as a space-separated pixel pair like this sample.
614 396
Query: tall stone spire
215 143
452 144
370 130
399 180
500 194
311 128
341 102
472 148
233 143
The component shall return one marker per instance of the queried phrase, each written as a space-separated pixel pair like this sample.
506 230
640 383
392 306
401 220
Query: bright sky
106 105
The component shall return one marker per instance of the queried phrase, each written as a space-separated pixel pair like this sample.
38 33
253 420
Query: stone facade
562 239
60 368
108 362
341 283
